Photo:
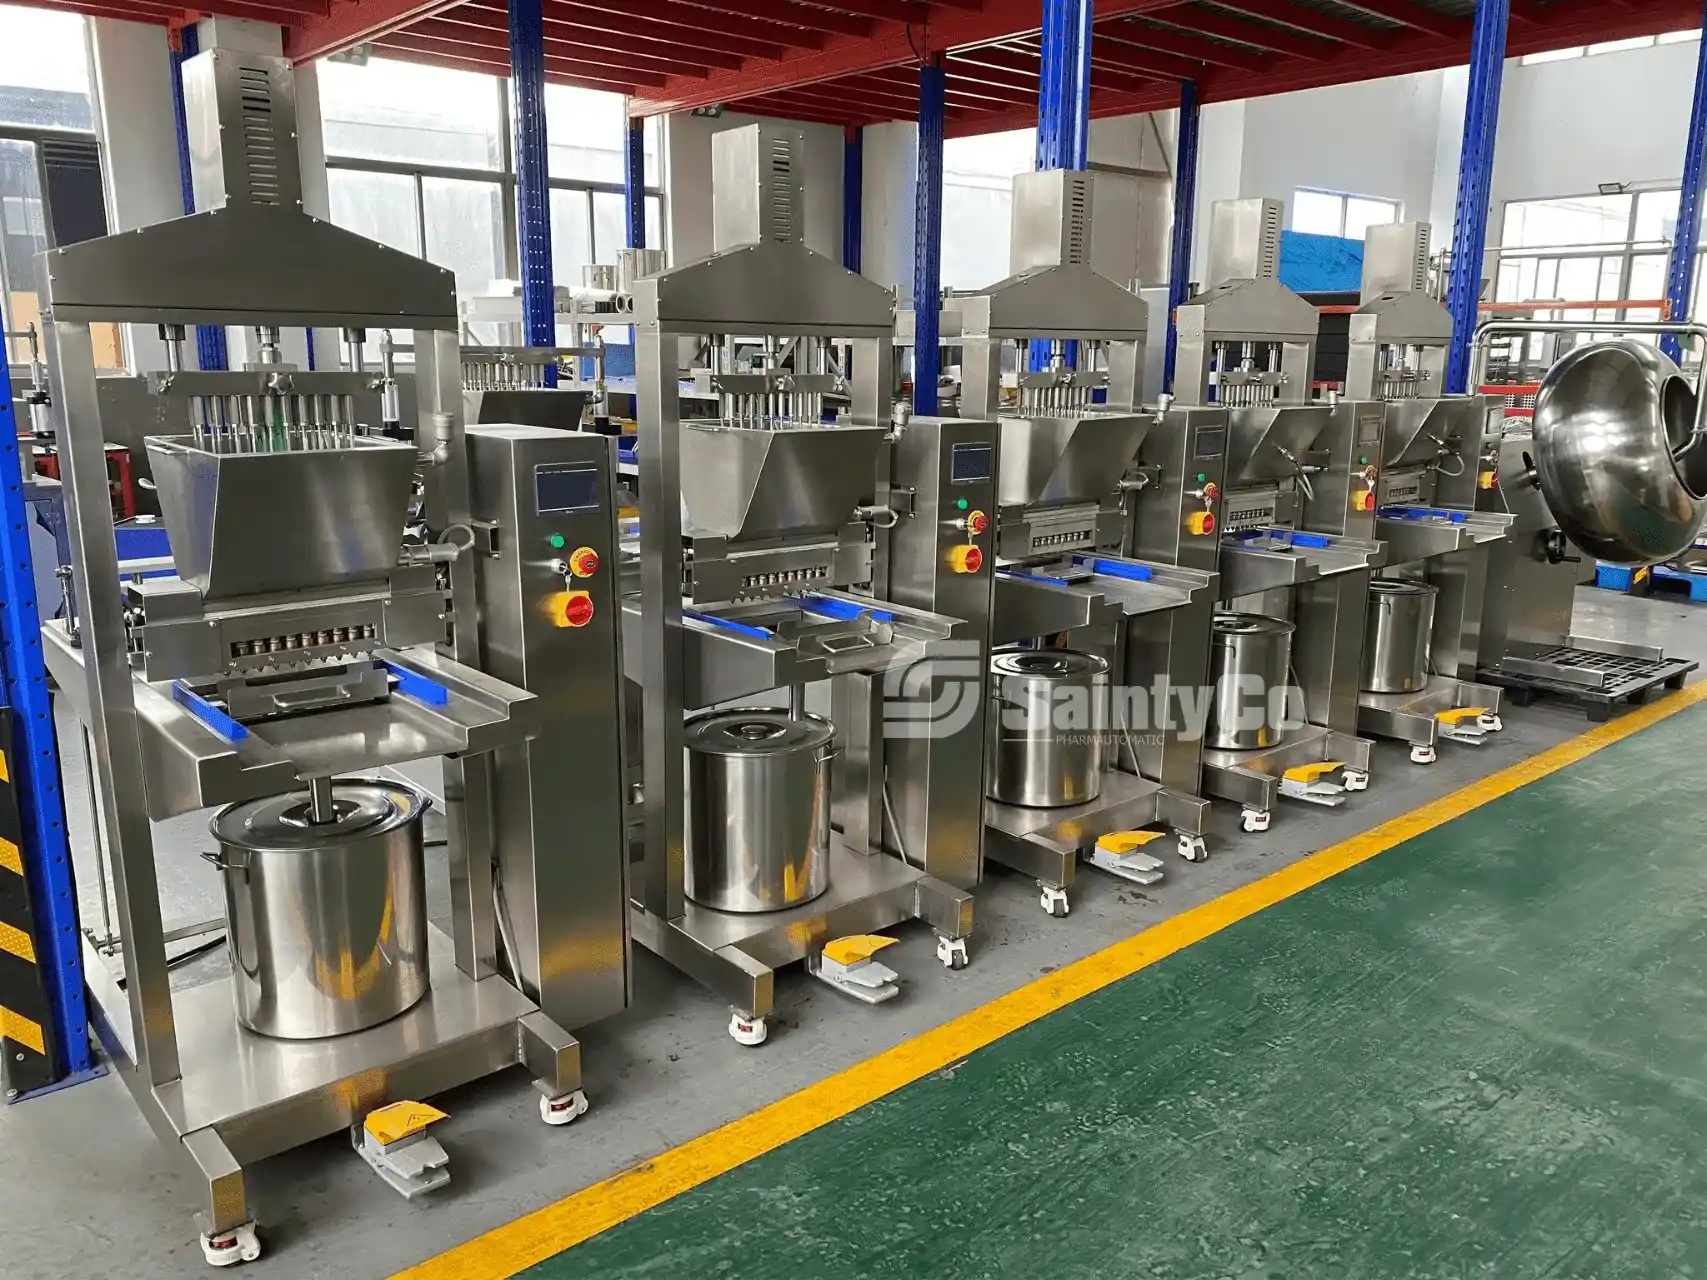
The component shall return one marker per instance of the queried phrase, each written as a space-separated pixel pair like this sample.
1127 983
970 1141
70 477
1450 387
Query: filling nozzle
439 454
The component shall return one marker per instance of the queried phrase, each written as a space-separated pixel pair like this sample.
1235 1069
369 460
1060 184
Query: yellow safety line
17 1029
16 941
10 858
546 1232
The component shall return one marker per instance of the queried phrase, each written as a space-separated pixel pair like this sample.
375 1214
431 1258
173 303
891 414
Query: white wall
888 209
687 177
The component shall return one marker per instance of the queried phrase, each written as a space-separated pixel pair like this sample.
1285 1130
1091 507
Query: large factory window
1333 213
977 204
44 69
401 112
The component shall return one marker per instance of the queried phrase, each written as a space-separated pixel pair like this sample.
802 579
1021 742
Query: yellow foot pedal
1468 724
395 1143
1122 853
847 965
1308 782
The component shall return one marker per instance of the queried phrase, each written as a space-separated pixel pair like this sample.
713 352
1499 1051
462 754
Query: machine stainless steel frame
1297 538
1431 455
777 551
304 641
1527 644
1084 465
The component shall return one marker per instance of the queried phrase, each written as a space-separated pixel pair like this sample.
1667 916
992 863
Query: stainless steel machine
1297 520
1105 547
302 648
777 552
1609 467
1420 649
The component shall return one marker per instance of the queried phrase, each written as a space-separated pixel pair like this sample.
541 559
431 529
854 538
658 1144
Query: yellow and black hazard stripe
29 1059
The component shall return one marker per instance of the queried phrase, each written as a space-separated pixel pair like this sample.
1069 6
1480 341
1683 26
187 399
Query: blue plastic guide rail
412 684
1034 577
843 610
1423 513
1117 569
739 628
207 713
1311 541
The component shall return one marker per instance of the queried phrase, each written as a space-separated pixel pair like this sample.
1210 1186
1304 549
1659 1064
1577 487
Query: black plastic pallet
1635 680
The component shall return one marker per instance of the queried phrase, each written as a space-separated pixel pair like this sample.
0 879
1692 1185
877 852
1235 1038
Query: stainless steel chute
1616 452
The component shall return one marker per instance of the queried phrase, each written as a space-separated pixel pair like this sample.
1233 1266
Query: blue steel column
1063 110
1680 279
210 338
1185 212
927 242
533 188
35 758
1475 176
853 197
634 185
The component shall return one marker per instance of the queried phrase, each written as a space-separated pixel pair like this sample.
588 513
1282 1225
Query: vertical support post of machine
1680 276
533 188
29 769
634 184
210 338
927 242
1475 174
1185 211
853 196
1063 110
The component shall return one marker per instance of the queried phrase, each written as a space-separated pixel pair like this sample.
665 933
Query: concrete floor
94 1196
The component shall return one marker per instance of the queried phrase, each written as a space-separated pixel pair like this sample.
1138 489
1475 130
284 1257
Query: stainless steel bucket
1250 655
327 922
1048 725
1396 636
759 809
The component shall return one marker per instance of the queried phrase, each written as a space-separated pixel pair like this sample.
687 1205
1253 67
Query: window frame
1345 198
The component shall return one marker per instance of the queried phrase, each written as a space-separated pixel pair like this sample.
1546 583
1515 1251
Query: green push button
1202 476
960 503
557 541
1363 462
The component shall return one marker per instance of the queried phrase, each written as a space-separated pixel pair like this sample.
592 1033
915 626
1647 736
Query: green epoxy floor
1482 1053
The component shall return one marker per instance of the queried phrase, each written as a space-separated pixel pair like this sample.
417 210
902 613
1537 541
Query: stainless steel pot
1396 633
327 921
1048 723
759 809
1250 655
1613 429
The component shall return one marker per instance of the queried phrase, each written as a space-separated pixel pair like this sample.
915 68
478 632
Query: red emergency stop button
578 609
966 559
584 563
1200 522
1363 502
1211 491
977 522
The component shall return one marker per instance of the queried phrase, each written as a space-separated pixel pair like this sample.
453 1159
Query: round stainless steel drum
1614 424
1048 719
758 809
327 921
1249 656
1396 634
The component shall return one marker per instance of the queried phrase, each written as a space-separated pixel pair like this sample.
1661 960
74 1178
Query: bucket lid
1047 664
1249 624
365 806
749 731
1396 587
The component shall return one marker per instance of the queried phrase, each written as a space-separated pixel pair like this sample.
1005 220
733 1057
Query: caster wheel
747 1031
1254 820
228 1248
563 1109
1492 724
952 951
1053 901
1422 755
1193 849
1356 780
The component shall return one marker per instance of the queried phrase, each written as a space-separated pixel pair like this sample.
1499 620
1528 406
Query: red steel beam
781 108
585 50
681 23
886 10
573 21
956 85
162 12
1416 17
1230 27
828 96
1321 24
399 45
1180 45
810 16
1123 57
347 23
497 62
475 22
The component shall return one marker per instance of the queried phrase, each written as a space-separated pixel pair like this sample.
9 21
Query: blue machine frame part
533 188
1475 175
1185 211
1063 111
853 197
1680 277
634 185
35 757
927 242
210 338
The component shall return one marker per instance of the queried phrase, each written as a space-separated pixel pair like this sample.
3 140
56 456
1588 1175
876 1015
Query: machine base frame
1252 778
1410 717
